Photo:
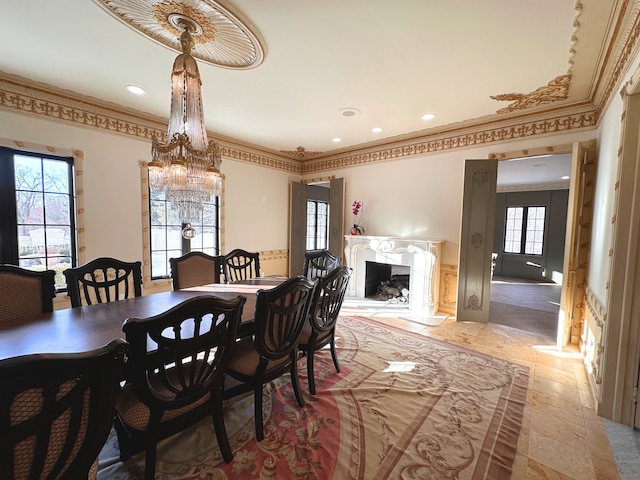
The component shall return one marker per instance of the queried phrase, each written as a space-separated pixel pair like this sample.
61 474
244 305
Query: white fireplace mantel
422 256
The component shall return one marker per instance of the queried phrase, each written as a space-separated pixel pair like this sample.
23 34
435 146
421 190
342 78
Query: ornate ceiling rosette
221 37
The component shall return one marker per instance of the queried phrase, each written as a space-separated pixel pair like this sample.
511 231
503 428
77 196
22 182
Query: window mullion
523 238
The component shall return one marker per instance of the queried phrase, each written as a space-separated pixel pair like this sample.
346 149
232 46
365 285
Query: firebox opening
386 282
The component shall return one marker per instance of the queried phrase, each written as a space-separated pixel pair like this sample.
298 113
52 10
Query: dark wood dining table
86 328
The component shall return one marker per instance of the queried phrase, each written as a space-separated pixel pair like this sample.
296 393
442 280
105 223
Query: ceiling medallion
221 38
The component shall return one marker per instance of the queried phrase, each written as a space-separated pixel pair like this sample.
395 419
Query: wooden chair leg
257 406
150 460
296 382
334 355
219 426
310 378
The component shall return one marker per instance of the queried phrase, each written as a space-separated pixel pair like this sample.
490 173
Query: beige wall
421 196
417 196
256 196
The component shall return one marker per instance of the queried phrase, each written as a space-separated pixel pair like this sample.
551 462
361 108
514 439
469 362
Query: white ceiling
543 169
392 60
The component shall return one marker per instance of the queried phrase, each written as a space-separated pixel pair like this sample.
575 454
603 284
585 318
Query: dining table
81 329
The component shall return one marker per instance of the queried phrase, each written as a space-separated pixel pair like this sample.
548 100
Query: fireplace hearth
418 259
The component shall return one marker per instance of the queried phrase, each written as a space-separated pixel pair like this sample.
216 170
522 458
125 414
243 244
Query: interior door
476 240
336 217
297 227
298 223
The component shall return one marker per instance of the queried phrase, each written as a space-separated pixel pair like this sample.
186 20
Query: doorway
532 196
576 245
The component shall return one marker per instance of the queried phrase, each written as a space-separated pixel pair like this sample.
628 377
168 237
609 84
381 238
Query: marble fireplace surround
420 255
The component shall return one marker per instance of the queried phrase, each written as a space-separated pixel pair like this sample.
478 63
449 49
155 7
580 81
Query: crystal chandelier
187 167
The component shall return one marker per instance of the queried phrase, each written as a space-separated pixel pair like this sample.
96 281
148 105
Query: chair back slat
103 280
177 355
280 316
331 292
241 265
318 263
56 411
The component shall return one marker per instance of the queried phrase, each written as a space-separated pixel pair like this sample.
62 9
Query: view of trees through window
38 216
166 233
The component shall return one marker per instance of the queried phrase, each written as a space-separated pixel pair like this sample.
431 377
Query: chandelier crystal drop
187 167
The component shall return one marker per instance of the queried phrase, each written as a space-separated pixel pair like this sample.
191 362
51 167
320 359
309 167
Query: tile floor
562 438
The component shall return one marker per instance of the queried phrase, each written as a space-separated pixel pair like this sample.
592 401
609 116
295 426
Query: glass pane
208 236
513 230
209 215
535 230
30 207
57 208
28 173
158 238
196 242
156 194
56 176
159 264
157 213
172 216
174 238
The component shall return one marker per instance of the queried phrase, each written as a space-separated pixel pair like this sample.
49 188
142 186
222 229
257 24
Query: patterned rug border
510 410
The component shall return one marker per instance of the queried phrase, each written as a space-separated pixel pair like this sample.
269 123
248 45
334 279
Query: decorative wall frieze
597 317
576 118
19 95
596 308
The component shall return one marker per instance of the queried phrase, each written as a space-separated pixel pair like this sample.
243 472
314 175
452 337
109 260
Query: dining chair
25 292
175 374
317 263
241 265
280 315
320 330
56 412
103 280
194 269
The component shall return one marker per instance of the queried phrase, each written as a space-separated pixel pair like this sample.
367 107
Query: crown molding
621 48
19 95
530 187
577 118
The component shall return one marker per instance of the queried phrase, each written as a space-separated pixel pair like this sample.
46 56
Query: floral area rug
404 406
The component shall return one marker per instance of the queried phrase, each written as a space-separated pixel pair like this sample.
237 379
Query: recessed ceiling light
336 140
565 177
135 89
376 129
349 112
428 116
